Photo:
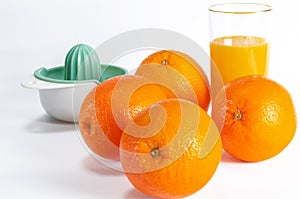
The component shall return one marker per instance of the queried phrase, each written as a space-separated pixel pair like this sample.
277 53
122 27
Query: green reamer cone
82 63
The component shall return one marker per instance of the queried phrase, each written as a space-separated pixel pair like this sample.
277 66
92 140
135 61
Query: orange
256 118
179 73
172 151
109 107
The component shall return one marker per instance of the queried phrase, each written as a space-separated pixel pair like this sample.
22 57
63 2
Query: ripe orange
257 119
173 150
179 73
109 107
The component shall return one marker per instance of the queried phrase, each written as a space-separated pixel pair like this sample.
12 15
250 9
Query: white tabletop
44 158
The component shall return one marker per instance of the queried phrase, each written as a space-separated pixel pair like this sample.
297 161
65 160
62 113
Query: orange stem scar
237 115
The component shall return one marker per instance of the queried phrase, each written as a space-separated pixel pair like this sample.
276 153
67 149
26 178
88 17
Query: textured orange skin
184 175
268 118
99 129
186 66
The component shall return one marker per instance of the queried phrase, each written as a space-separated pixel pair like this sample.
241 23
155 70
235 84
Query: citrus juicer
62 89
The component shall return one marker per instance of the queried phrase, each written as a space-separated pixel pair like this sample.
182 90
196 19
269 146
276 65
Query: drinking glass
240 37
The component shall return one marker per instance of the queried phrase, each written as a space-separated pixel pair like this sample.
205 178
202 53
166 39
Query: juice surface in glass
237 56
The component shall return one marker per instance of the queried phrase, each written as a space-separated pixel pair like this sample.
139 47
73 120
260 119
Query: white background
43 158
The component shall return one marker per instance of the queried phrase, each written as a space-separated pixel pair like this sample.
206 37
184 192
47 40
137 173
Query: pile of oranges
156 123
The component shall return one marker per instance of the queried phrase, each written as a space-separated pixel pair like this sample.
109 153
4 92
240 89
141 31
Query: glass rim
235 8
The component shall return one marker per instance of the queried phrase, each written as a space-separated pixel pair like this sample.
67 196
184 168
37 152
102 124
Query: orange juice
237 56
